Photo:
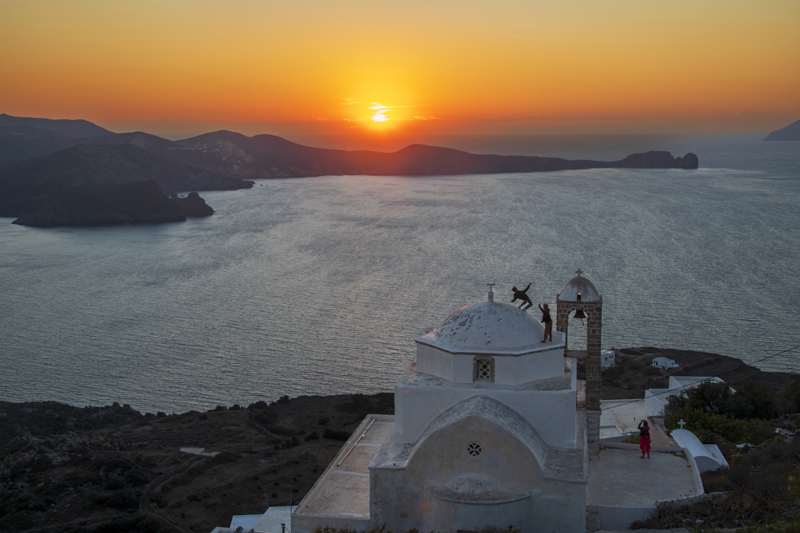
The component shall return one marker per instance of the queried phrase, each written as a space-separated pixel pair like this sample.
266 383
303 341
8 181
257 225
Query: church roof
487 327
581 285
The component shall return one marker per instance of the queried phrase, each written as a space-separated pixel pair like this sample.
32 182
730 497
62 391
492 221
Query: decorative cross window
484 369
474 449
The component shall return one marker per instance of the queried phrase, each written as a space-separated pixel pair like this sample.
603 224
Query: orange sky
313 66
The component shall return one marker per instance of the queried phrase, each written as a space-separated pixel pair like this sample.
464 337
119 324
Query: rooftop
498 328
342 491
619 478
579 285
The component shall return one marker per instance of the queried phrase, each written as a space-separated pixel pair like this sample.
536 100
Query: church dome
486 327
581 285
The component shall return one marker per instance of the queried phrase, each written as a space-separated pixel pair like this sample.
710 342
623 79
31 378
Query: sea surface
320 285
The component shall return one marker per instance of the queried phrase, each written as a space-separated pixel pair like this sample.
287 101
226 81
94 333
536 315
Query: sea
319 286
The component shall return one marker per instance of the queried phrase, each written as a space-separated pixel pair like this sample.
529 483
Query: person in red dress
644 438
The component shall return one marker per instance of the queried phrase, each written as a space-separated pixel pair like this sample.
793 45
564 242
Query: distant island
73 172
789 133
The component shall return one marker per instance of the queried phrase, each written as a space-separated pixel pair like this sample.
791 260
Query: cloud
351 101
426 117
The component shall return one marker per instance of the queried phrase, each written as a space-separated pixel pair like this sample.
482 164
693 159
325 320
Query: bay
319 285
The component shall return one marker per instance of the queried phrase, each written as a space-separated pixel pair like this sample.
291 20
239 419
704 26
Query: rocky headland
139 202
49 167
789 133
71 469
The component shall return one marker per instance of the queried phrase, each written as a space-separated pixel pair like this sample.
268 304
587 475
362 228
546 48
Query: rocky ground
69 469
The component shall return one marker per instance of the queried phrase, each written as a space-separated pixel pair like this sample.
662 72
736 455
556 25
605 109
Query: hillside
70 469
42 160
789 133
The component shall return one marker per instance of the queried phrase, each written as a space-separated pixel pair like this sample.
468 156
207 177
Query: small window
484 369
474 449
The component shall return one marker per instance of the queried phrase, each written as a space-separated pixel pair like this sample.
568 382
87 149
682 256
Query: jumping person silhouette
522 295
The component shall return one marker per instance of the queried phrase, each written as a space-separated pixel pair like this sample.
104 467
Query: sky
404 68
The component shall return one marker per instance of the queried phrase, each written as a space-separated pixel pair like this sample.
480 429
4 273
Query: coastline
81 467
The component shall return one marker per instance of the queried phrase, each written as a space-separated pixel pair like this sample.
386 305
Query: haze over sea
320 285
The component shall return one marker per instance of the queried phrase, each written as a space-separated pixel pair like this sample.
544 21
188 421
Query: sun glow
380 112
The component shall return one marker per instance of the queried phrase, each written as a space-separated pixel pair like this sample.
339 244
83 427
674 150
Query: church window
484 369
474 449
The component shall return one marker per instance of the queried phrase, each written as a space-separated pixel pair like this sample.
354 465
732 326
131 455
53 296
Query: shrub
139 524
702 423
282 400
265 416
119 500
159 498
751 400
336 434
226 457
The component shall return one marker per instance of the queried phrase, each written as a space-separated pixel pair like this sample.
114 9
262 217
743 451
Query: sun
380 112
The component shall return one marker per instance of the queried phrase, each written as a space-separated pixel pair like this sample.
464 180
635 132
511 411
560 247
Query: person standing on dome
547 321
522 295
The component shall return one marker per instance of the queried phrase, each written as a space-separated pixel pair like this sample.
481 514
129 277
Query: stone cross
681 423
579 272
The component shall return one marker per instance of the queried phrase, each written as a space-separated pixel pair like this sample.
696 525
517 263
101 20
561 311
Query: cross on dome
579 272
681 423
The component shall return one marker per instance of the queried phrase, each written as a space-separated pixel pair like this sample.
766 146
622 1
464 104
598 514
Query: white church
492 427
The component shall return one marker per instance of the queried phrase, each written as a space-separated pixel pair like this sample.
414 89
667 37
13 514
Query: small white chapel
489 429
493 428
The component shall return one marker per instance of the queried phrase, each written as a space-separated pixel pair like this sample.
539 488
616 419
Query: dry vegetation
761 490
112 469
132 477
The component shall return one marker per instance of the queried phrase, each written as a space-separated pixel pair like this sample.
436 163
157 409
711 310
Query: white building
607 358
487 431
491 428
664 362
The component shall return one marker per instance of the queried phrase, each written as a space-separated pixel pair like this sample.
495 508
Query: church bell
579 314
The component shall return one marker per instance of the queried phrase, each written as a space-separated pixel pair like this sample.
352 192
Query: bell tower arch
580 296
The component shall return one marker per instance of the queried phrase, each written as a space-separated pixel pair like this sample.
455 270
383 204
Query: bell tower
579 295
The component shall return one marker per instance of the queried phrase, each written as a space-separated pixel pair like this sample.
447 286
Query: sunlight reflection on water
319 285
